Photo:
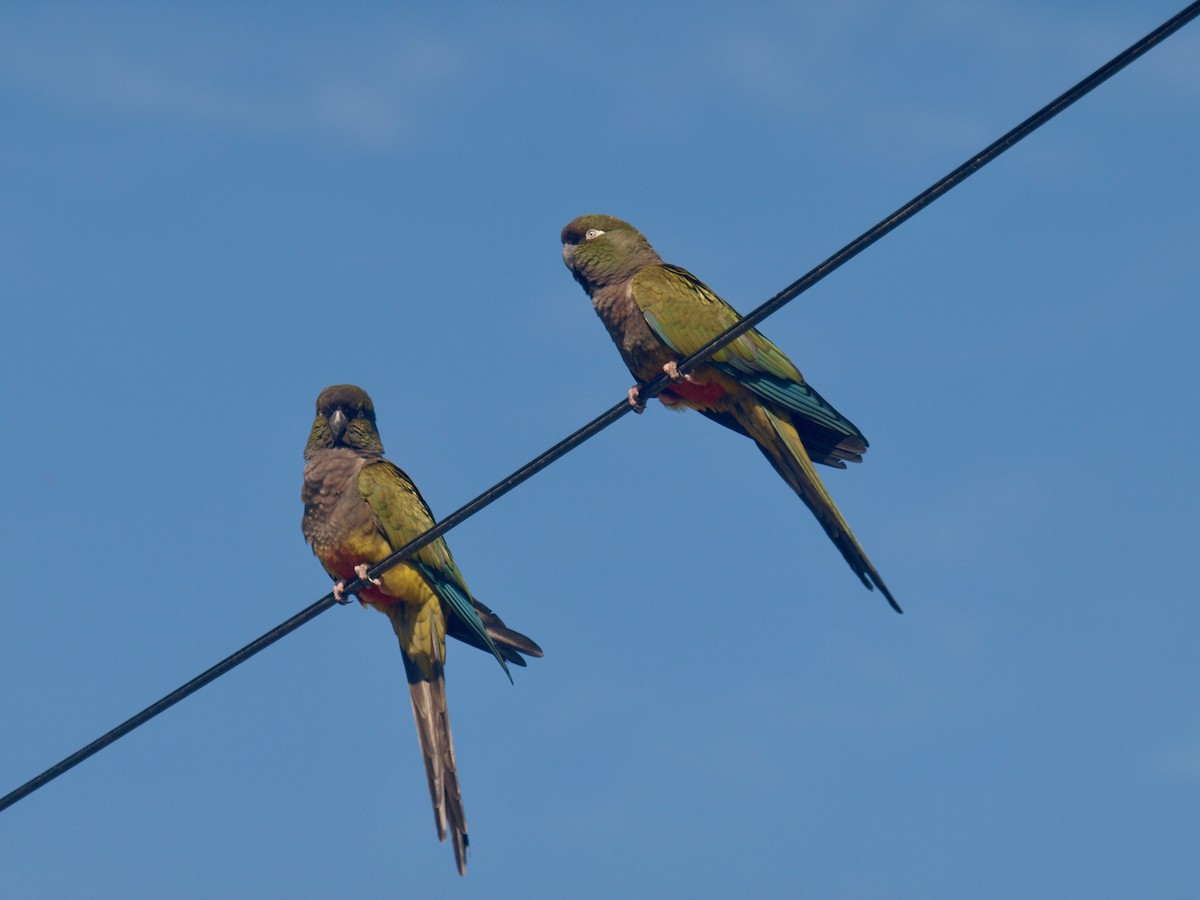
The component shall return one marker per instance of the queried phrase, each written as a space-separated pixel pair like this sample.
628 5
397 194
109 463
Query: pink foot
339 593
672 370
636 401
361 571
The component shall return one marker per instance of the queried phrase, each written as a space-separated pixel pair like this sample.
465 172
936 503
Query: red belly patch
342 568
704 393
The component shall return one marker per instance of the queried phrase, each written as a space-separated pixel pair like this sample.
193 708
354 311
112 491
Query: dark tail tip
886 593
872 580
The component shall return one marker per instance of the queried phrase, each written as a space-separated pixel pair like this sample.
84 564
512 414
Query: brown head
345 418
603 250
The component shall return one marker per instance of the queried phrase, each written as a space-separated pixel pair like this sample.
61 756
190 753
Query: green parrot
358 509
657 314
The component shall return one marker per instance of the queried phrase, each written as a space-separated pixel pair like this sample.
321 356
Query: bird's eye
592 233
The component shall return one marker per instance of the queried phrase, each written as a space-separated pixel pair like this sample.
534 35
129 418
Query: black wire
865 240
646 392
494 493
918 203
170 700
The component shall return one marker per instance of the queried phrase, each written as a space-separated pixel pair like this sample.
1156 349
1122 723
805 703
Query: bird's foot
672 370
635 400
339 592
361 571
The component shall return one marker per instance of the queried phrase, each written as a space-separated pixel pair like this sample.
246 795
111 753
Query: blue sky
209 216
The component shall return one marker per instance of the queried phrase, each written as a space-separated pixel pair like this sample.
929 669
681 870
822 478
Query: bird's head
345 418
601 250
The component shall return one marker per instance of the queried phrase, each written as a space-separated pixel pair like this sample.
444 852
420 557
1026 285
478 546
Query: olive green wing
687 314
403 516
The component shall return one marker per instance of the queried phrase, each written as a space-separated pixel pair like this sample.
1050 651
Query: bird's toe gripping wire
339 587
361 571
672 370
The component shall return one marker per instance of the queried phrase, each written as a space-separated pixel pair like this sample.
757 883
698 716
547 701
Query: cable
865 240
918 203
647 392
170 700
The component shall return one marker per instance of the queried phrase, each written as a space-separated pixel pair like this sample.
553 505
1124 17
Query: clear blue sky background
208 216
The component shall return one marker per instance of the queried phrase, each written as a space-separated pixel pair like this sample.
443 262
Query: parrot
358 509
657 314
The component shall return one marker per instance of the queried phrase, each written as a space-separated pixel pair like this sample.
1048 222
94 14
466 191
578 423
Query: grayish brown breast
643 351
332 504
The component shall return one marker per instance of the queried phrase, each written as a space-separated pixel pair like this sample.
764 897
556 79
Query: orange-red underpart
704 393
343 569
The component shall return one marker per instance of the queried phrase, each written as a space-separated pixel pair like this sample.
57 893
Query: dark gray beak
337 424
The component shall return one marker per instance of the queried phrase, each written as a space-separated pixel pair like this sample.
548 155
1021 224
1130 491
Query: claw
636 401
672 370
339 593
361 571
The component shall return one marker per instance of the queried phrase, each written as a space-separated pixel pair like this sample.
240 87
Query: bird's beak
337 424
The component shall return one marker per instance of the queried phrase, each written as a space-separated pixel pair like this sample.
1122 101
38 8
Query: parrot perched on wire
657 314
358 509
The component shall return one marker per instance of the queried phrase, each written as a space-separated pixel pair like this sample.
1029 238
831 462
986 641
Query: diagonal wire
647 392
919 202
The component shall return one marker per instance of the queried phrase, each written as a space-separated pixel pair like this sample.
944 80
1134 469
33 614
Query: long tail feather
427 689
437 751
781 444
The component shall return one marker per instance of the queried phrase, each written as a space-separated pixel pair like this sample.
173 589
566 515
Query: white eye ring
592 233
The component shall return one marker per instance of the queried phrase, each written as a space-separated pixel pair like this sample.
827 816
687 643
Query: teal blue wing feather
798 397
454 594
402 516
